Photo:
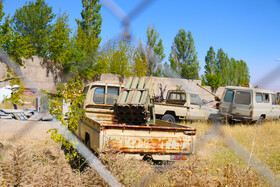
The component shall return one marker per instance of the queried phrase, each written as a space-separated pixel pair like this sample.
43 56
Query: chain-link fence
216 130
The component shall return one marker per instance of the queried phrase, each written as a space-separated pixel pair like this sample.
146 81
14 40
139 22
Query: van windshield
229 96
243 98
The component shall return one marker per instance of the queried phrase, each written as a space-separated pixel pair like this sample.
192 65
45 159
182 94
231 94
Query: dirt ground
27 133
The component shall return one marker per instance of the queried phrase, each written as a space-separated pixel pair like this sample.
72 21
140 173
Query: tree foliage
212 77
139 65
72 92
60 47
16 96
33 21
223 71
11 41
183 56
154 51
87 40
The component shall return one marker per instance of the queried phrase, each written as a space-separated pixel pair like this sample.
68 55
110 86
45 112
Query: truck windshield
112 94
229 96
243 98
98 97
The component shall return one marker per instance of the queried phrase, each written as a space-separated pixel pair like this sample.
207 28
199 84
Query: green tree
121 56
183 56
91 18
211 77
33 21
139 65
60 46
233 75
244 76
1 11
11 41
223 68
233 72
154 51
87 40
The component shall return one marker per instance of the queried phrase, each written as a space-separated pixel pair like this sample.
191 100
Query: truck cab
181 105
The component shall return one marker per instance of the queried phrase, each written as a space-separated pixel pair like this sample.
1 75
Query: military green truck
180 105
121 118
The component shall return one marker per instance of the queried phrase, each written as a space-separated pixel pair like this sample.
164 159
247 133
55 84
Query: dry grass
217 166
46 168
266 145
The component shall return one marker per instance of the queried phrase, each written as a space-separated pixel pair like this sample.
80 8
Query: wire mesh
216 130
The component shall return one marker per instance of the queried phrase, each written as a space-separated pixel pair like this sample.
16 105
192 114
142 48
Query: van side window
273 99
229 96
259 98
266 98
243 98
112 94
99 94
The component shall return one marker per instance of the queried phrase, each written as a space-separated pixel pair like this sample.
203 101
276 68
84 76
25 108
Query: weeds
49 166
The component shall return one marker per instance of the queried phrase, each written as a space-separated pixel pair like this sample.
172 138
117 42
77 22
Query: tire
168 118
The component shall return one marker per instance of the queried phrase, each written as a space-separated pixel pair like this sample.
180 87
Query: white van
245 104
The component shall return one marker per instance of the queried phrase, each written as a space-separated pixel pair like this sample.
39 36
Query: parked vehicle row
113 110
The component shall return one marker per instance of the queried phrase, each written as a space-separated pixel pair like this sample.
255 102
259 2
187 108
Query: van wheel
168 118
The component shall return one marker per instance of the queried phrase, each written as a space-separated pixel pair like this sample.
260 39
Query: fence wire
216 131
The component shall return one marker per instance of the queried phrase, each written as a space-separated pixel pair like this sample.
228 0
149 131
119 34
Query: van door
275 110
226 106
242 104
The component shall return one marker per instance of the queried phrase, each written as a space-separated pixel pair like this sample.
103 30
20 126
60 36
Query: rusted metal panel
131 141
142 139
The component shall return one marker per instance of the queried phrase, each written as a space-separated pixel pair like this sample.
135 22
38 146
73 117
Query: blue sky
245 29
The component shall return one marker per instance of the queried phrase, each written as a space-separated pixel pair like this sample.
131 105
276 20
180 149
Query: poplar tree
211 77
183 56
244 76
87 40
154 51
223 69
60 43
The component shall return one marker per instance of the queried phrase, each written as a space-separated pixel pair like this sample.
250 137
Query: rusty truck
122 118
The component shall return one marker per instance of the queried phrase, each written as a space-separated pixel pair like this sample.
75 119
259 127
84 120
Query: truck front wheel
168 118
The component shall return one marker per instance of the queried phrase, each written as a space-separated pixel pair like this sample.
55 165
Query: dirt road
26 133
